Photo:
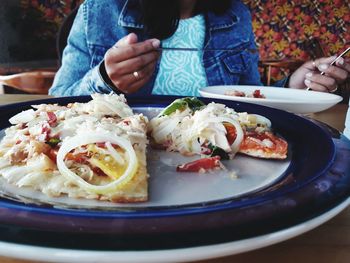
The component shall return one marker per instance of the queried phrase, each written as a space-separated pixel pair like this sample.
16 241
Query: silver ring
314 64
334 90
136 75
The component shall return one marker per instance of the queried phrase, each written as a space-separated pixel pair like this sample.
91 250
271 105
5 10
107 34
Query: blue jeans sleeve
252 76
75 77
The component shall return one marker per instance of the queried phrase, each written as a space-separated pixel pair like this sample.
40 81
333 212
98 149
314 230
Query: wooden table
329 243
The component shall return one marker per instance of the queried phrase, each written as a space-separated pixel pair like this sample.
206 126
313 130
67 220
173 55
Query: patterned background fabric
283 28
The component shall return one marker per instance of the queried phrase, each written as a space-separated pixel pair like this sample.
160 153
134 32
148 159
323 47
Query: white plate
36 253
310 186
243 175
292 100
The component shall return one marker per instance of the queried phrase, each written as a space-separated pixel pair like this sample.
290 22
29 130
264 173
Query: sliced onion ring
239 131
84 139
262 120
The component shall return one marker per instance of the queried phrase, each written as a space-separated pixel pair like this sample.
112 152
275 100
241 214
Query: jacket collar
225 20
130 16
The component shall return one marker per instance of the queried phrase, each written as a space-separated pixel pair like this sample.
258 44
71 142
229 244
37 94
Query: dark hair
161 17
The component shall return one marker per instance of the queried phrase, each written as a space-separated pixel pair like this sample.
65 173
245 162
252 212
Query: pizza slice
264 145
93 150
215 130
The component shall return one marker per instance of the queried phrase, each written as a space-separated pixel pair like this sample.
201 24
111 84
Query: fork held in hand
251 50
337 58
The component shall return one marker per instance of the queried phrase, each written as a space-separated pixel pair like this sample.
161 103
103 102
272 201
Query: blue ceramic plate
316 179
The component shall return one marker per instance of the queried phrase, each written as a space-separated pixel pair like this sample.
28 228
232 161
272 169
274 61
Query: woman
114 46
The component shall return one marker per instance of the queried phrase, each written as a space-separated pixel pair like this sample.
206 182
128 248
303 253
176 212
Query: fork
251 50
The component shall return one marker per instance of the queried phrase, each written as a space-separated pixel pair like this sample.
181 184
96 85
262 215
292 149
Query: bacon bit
45 130
126 122
52 118
18 141
201 165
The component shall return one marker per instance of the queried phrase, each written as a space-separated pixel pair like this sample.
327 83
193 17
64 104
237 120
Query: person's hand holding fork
309 75
129 64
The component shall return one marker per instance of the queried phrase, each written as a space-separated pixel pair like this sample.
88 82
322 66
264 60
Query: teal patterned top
182 72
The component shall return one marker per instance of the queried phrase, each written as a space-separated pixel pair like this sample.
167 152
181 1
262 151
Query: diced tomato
52 154
101 144
203 164
257 94
231 132
98 171
52 118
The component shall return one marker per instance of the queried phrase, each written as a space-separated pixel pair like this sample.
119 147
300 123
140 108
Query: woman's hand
308 76
130 64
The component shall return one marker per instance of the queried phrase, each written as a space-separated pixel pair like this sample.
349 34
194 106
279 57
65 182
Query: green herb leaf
194 104
53 142
217 151
181 104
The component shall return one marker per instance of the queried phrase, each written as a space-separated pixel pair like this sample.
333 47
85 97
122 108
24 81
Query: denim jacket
99 24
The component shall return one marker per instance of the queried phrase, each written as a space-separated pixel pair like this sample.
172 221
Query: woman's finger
133 64
122 53
323 80
344 64
126 82
147 72
315 86
335 72
127 40
315 64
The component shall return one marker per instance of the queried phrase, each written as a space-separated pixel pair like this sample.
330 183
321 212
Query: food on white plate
97 150
192 128
93 150
237 93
